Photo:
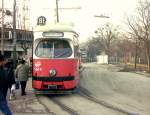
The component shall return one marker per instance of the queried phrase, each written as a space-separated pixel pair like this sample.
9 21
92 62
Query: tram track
86 94
86 98
65 107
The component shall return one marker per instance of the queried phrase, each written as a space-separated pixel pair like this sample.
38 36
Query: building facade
24 41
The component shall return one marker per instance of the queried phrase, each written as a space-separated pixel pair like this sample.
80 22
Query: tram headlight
52 72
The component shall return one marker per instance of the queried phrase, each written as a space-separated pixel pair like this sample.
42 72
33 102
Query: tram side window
44 49
62 49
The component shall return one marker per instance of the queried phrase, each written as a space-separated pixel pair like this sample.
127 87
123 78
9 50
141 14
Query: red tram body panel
67 73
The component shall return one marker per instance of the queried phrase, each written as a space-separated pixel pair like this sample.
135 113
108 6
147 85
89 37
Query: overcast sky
83 18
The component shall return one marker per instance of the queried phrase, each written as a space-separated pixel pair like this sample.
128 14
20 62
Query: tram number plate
52 86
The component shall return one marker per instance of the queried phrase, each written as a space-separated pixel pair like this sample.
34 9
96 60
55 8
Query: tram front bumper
53 83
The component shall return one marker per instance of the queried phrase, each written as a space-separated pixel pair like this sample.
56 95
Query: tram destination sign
53 34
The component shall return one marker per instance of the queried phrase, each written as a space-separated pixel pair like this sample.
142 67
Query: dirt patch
131 68
127 69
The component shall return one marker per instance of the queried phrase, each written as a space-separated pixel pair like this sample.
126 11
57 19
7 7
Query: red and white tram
56 59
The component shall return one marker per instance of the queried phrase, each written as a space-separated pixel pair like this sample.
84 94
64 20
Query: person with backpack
3 82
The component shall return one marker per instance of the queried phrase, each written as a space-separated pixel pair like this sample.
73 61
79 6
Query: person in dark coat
3 81
11 77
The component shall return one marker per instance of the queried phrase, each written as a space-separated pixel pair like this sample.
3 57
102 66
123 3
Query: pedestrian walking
11 79
3 81
22 74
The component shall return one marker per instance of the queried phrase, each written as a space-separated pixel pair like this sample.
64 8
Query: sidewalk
28 104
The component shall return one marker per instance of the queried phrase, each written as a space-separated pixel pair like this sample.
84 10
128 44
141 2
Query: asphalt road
103 91
125 90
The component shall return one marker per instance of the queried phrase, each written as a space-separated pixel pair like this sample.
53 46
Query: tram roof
58 27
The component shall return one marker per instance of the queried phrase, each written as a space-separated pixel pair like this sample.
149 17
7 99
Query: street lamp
101 16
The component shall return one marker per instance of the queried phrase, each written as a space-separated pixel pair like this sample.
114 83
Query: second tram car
56 60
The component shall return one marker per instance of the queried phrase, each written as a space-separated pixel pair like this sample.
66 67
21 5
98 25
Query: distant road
129 91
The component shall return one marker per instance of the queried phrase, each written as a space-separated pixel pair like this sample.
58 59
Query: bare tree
25 44
25 47
107 34
140 26
93 47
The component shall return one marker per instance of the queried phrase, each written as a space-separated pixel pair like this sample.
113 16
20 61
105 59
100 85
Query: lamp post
103 16
14 33
2 30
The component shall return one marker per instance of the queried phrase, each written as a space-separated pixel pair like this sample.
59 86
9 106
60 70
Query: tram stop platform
28 104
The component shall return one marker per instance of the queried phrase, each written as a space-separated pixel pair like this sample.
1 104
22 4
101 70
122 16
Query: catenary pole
57 13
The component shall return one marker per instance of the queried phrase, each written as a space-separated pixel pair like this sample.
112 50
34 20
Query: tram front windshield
53 49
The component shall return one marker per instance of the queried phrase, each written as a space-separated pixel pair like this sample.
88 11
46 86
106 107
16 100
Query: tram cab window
44 49
53 49
62 49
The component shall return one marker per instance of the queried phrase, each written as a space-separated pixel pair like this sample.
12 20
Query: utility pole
2 30
57 14
14 33
57 10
